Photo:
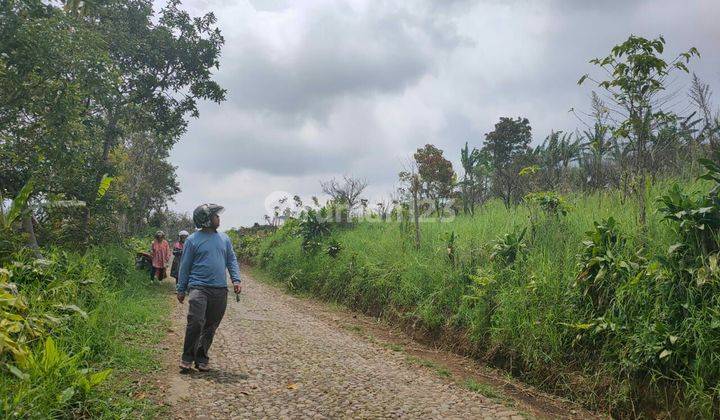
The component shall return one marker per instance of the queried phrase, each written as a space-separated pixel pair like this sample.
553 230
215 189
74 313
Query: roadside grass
394 347
129 328
353 328
440 370
124 319
527 316
484 389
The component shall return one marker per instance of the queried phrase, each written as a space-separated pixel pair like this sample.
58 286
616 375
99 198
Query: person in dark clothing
177 254
207 253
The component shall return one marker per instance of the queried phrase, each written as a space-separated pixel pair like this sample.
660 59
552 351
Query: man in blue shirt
206 255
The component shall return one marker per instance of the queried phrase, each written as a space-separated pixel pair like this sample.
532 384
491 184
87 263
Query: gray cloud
338 52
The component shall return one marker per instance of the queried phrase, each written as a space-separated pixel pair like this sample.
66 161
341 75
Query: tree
468 160
364 204
145 181
412 187
436 176
53 72
637 74
345 193
165 62
596 146
78 83
508 149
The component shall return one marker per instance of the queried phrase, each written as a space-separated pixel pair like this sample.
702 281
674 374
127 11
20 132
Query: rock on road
274 357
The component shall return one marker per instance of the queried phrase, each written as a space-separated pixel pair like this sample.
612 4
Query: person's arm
185 264
231 262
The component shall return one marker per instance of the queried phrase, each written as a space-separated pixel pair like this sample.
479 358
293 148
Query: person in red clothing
160 251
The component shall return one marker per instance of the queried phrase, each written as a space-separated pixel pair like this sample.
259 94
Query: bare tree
346 193
701 97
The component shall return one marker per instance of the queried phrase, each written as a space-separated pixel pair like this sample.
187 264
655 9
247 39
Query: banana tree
15 212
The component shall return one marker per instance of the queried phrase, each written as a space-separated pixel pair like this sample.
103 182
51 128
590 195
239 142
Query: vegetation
66 323
587 265
93 95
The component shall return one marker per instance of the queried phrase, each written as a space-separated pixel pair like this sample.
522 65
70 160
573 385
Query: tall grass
527 316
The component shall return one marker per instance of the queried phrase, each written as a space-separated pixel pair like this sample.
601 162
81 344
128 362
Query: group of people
160 254
199 268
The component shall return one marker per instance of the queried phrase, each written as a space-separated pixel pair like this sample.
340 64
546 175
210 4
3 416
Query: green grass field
652 349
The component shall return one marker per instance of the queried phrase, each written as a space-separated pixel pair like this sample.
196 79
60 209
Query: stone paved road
274 357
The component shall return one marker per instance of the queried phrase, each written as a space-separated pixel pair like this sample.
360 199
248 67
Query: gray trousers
206 310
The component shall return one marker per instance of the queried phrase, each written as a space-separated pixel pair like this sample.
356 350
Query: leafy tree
78 83
145 180
436 175
508 149
554 157
53 72
637 75
469 160
165 61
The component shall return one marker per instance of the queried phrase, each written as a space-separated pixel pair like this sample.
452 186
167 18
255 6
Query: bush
55 327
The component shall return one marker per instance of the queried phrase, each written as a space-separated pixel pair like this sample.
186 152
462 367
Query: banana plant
18 205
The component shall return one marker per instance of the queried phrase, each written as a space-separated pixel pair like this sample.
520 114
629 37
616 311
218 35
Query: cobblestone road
274 357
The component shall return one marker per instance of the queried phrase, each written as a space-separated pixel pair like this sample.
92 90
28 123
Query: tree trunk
416 216
109 138
31 240
416 211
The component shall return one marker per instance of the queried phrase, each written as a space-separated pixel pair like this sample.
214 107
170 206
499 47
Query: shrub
550 202
603 265
312 229
509 247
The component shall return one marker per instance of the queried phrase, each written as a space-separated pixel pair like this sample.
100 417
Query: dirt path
278 356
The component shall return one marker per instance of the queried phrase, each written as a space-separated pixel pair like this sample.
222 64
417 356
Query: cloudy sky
318 89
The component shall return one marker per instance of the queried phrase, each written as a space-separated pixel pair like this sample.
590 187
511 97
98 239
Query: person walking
206 255
177 254
160 252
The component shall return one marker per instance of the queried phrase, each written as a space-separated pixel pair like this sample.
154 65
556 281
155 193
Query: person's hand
181 297
237 288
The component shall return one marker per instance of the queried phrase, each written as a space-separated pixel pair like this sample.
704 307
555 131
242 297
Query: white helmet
183 233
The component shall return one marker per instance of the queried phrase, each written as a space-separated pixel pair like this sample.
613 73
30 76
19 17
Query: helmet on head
159 233
183 233
201 215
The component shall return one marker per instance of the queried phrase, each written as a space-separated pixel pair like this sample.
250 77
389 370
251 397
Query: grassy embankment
638 339
88 332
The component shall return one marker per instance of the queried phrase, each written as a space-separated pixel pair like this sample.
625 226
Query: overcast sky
318 89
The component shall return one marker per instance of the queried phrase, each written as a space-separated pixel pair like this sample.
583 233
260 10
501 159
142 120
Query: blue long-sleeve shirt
204 260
